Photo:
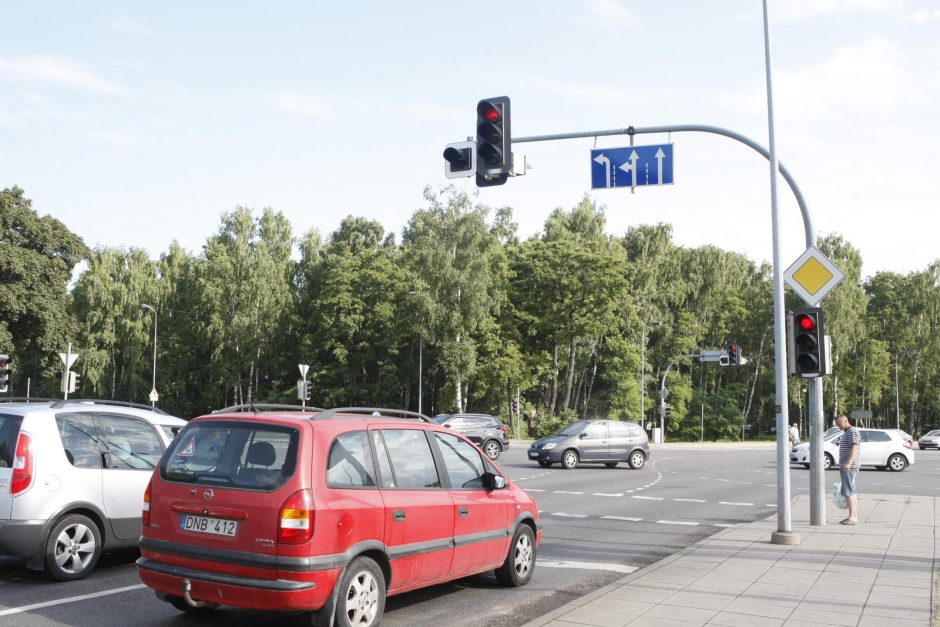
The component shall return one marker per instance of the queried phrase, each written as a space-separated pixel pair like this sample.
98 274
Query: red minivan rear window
252 456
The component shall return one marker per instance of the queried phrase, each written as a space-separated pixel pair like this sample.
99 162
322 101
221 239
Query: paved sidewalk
878 573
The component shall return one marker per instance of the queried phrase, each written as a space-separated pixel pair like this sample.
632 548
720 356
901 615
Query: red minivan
327 512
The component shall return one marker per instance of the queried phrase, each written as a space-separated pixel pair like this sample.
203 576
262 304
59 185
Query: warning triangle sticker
190 448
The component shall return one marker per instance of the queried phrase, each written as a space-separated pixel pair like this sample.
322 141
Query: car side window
596 431
619 429
350 462
132 443
875 436
411 458
79 439
462 461
634 430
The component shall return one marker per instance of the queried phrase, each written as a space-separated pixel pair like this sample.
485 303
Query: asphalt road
599 524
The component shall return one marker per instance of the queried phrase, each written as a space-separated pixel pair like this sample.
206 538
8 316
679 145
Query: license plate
533 454
207 524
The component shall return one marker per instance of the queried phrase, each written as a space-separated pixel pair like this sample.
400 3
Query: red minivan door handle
463 512
398 515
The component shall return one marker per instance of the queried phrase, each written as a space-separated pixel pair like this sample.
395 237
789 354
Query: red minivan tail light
22 465
145 513
295 524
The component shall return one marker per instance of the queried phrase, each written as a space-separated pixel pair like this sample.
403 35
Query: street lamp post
153 401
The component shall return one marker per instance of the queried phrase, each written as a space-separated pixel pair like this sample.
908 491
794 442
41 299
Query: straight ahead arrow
659 165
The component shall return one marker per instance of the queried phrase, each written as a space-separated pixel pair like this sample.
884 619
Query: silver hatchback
72 479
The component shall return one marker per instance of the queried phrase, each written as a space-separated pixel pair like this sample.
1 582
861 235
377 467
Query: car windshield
441 419
574 428
834 435
935 432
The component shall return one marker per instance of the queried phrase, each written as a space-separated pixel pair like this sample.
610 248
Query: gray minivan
588 441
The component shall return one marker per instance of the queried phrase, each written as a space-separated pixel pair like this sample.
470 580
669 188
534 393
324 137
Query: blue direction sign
631 166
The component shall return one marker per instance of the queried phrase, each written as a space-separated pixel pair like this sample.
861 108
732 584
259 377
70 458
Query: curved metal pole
662 396
699 128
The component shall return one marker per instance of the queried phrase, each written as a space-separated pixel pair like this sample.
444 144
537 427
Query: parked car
882 448
72 479
605 441
931 439
327 513
484 430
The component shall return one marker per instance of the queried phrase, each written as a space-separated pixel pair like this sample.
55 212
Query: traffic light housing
5 361
515 405
808 343
494 141
75 381
460 159
734 354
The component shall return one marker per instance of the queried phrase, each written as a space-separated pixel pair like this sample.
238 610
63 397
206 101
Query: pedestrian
794 434
849 463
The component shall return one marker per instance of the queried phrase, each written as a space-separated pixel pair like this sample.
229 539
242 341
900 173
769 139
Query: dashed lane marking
565 492
567 515
617 568
741 504
626 518
691 500
617 495
648 498
677 522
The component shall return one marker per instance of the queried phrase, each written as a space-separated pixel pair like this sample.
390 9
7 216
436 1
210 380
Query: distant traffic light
808 343
494 141
734 354
515 405
75 381
460 159
5 361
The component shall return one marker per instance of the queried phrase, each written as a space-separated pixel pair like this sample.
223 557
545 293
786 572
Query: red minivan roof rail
384 412
256 408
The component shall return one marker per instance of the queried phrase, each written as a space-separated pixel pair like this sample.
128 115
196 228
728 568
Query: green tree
37 257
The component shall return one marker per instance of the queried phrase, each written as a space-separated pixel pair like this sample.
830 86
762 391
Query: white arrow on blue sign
631 166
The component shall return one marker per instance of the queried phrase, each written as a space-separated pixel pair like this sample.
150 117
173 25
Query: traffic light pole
815 395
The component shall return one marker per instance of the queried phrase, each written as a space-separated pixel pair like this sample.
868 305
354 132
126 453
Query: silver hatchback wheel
72 548
569 459
637 459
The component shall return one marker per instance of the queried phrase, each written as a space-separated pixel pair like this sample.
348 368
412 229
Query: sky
140 123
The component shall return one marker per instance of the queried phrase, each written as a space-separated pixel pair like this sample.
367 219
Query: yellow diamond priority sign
813 275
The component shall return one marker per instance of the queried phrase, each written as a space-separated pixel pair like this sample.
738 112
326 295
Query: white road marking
626 518
565 492
533 490
725 480
617 568
741 504
723 525
676 522
82 597
770 505
691 500
567 515
649 498
604 494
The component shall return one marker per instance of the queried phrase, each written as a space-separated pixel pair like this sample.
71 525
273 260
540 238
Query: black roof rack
371 411
27 399
101 401
258 407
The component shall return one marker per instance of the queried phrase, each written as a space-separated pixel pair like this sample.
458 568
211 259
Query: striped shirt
849 437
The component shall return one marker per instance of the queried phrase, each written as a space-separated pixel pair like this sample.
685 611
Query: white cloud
331 106
802 9
49 69
923 16
611 14
124 24
595 94
307 106
115 138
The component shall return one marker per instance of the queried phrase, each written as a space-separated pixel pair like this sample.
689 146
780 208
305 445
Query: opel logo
208 494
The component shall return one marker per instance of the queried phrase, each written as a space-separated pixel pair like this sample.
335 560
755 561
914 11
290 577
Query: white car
881 448
72 479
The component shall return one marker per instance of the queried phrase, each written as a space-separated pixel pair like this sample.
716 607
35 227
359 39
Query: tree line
572 321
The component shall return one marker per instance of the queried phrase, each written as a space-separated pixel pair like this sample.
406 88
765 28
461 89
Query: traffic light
5 361
515 405
808 343
494 141
460 159
75 381
734 354
303 390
